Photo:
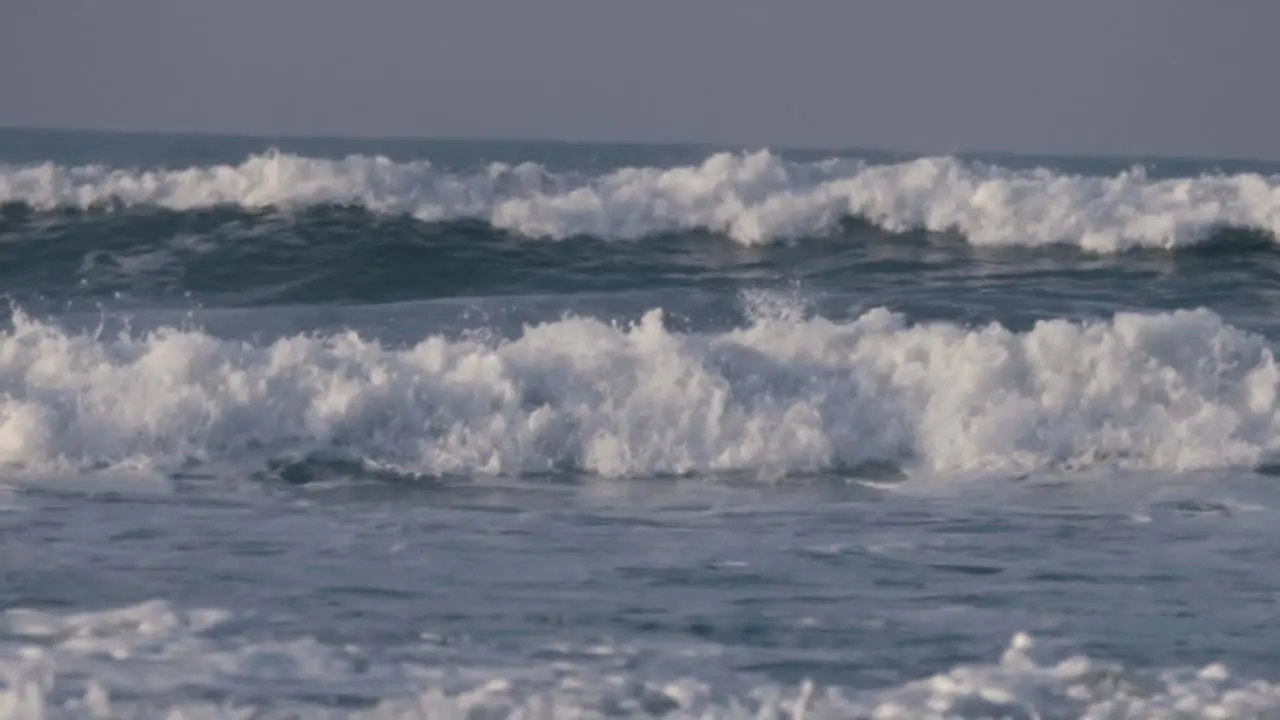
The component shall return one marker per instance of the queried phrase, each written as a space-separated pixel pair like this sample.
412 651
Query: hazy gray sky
1096 76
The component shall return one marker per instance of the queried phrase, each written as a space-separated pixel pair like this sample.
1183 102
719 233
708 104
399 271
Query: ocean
460 429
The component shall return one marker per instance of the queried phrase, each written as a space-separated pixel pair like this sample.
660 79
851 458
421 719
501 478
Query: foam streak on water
60 670
753 198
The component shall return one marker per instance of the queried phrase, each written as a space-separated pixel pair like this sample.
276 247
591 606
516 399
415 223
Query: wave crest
751 197
783 395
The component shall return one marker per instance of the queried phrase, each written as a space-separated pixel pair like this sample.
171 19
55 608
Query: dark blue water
460 429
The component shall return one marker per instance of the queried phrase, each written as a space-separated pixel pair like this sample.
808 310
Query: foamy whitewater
1173 391
401 429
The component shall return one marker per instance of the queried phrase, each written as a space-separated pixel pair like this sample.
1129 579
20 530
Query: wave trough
752 198
785 394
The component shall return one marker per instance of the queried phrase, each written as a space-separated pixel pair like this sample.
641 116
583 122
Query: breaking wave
753 197
785 394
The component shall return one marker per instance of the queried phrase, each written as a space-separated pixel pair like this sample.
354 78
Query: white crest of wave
784 394
752 197
154 660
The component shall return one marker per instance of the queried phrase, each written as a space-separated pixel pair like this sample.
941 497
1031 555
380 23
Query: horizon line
691 144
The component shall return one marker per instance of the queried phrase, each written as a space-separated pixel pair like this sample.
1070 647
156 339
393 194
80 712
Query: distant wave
753 198
783 394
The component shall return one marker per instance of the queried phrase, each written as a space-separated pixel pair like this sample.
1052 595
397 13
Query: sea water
322 428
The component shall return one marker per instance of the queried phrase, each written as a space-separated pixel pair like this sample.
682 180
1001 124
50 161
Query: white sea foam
153 660
753 198
1176 391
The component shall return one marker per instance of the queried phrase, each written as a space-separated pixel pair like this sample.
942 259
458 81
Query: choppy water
333 428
